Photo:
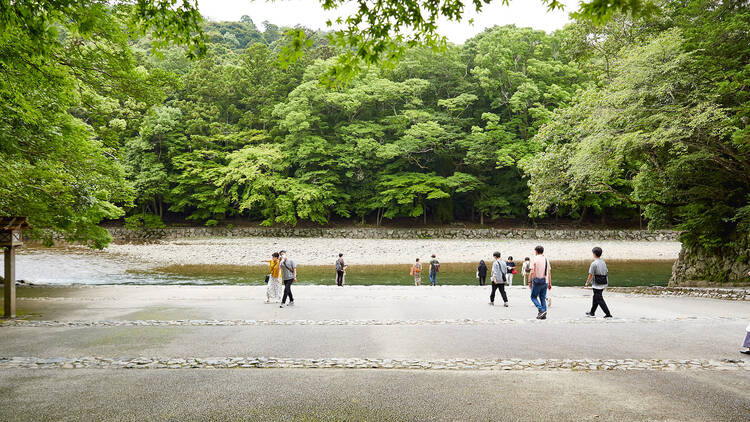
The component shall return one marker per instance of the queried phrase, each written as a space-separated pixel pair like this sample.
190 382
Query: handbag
268 277
412 270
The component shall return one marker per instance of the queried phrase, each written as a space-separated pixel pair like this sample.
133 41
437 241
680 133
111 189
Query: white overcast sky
309 13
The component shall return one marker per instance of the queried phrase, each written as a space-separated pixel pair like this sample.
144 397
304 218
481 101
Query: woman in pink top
541 281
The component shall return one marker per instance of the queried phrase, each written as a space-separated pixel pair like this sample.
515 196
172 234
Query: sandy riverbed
320 251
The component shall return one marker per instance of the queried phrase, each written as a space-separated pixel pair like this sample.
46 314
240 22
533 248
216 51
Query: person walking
541 281
434 269
416 271
273 288
746 345
289 274
598 273
510 266
340 268
499 272
526 270
482 273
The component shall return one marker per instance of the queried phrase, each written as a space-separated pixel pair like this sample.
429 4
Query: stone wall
699 267
734 293
121 234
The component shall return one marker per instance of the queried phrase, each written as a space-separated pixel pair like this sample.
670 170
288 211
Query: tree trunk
481 218
640 218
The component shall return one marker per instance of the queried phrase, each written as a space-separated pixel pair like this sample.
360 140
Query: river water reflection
622 273
81 266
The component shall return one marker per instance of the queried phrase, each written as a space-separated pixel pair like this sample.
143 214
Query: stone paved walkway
661 357
364 363
347 322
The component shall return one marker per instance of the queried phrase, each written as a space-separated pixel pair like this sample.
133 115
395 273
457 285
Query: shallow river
79 266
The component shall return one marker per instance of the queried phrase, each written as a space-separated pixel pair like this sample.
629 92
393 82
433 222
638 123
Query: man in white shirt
541 281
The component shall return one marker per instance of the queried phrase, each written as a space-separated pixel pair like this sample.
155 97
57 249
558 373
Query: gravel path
320 251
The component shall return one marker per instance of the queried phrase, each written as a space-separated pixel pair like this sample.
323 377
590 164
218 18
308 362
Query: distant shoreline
123 235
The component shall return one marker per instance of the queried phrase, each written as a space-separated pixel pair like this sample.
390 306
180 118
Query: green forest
636 117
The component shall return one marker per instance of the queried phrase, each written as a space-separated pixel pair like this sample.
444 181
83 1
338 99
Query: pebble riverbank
705 292
96 362
323 251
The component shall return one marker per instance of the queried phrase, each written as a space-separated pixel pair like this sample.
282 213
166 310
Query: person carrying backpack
526 270
598 272
434 269
340 268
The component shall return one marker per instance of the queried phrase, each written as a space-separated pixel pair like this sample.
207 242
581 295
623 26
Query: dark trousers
339 277
288 291
599 301
482 280
500 287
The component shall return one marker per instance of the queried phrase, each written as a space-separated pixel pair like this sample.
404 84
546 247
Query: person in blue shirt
510 264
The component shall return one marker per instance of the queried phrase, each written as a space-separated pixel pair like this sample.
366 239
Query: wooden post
11 236
9 289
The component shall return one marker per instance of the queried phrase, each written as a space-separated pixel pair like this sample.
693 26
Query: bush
144 221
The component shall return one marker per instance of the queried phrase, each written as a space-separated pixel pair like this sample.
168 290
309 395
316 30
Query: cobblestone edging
340 322
122 234
364 363
704 292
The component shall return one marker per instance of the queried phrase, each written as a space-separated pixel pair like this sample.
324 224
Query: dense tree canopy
666 131
636 115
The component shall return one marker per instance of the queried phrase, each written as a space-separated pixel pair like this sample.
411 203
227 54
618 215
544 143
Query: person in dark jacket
482 273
